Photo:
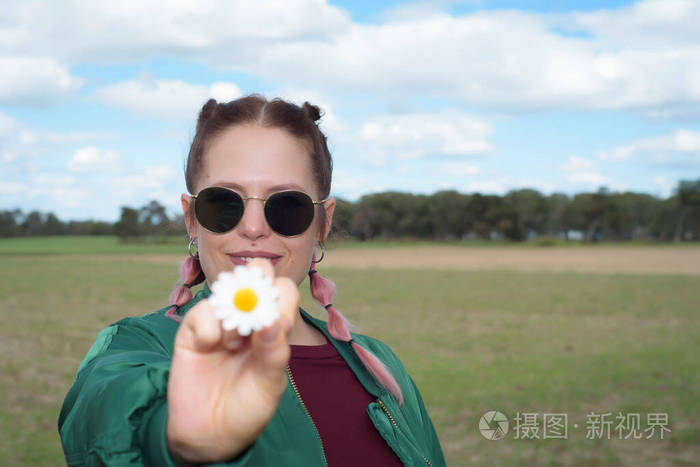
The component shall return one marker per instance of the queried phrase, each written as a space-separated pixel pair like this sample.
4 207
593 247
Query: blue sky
98 101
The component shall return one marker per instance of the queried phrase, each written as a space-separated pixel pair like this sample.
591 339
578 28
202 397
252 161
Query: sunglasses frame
264 200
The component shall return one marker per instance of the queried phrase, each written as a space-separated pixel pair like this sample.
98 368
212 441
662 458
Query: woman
174 388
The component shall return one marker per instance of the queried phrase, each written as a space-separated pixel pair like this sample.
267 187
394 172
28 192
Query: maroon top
337 403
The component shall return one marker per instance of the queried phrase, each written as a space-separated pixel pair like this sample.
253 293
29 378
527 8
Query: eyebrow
272 189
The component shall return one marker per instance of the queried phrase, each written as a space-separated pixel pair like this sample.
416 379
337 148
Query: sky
98 100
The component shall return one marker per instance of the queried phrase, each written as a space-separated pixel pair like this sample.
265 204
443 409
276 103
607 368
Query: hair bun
312 111
208 109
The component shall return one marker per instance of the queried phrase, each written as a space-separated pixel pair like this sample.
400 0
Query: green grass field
177 244
71 245
473 341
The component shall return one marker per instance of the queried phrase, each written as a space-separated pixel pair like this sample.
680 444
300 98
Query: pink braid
191 274
323 290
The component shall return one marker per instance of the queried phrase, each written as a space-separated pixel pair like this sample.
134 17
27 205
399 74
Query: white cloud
9 157
644 23
76 196
93 159
486 187
223 91
500 58
679 148
103 31
409 136
11 188
350 186
163 98
18 141
344 182
35 80
7 125
580 171
28 137
149 183
68 196
459 170
59 190
644 57
8 132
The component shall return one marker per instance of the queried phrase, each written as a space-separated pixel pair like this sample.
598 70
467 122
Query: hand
225 388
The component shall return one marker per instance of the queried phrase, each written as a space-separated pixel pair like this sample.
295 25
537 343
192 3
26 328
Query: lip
236 258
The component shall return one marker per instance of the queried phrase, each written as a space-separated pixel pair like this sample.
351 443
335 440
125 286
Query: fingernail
233 343
270 333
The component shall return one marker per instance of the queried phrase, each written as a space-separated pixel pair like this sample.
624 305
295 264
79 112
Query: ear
190 221
329 206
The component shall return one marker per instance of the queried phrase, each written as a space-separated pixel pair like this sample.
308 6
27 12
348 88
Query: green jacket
115 413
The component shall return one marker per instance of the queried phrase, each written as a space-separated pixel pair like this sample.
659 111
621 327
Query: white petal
224 290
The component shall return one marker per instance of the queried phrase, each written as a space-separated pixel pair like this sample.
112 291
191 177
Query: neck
303 333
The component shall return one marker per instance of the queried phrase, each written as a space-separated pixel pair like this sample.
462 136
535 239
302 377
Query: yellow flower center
245 299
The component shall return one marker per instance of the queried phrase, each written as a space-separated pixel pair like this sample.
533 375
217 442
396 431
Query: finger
288 302
271 354
232 340
270 344
264 264
200 330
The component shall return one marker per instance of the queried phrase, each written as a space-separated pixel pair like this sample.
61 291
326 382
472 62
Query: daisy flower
244 299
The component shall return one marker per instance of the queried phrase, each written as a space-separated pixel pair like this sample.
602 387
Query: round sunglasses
289 213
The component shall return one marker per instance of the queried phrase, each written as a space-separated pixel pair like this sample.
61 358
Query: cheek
301 249
299 258
210 256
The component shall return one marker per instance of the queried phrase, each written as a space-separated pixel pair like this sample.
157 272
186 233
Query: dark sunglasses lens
289 212
218 209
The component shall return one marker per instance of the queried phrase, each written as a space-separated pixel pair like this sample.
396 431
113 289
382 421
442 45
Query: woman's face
257 161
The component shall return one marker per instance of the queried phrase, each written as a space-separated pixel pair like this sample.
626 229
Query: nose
253 224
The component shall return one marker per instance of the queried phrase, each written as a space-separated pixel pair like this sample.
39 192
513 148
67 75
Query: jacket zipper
391 417
296 391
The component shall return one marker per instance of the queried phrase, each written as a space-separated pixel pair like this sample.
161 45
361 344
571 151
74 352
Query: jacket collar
344 348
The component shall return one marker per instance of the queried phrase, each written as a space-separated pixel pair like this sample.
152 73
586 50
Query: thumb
200 330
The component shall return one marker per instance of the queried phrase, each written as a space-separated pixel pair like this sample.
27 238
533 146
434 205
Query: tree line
518 215
150 220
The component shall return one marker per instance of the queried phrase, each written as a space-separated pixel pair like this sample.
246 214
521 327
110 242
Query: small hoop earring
193 241
323 253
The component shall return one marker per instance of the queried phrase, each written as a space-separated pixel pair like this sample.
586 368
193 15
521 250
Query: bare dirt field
641 260
626 259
